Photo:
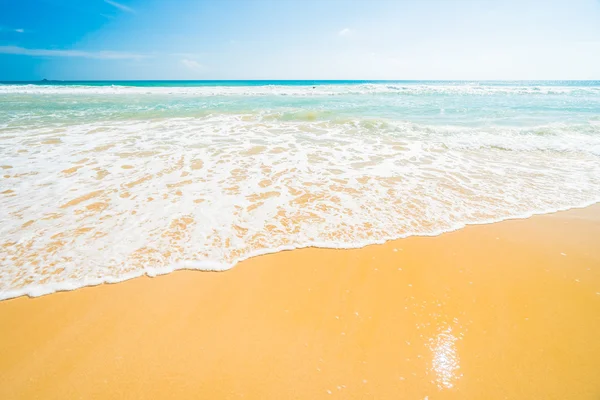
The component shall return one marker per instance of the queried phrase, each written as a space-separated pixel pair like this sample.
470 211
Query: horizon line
296 80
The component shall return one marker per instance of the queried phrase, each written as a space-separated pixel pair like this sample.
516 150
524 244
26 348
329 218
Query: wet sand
502 311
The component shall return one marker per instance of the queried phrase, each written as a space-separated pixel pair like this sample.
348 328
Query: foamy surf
449 88
110 186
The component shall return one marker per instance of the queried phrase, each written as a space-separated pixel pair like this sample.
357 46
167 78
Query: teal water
103 181
192 83
463 103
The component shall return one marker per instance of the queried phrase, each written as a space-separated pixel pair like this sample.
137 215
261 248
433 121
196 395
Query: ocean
105 181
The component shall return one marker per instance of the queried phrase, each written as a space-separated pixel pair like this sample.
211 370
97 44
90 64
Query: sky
299 39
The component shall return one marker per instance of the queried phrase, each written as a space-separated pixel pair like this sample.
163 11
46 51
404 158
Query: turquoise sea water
469 103
103 181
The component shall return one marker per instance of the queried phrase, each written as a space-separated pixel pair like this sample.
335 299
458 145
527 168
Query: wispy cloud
105 55
192 64
120 6
18 30
345 32
185 55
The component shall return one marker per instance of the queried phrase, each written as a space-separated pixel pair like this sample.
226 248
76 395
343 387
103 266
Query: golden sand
503 311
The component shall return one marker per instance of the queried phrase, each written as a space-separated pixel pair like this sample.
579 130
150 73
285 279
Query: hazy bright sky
299 39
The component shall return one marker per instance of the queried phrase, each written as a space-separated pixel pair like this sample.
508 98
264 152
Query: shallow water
106 181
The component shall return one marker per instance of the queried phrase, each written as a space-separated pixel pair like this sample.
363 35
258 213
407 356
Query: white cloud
7 29
345 32
192 64
107 55
120 6
185 55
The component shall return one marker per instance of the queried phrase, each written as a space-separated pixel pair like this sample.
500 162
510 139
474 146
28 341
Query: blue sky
299 39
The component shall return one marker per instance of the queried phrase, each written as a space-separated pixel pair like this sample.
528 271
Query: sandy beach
502 311
299 199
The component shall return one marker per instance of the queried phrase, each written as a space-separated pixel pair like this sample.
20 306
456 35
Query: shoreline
214 266
502 310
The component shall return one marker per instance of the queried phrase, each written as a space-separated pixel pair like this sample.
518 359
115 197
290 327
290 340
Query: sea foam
98 197
302 90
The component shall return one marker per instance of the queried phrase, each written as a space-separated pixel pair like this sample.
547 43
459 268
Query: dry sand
502 311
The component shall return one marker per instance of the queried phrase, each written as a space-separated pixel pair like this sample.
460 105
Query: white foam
301 90
263 185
